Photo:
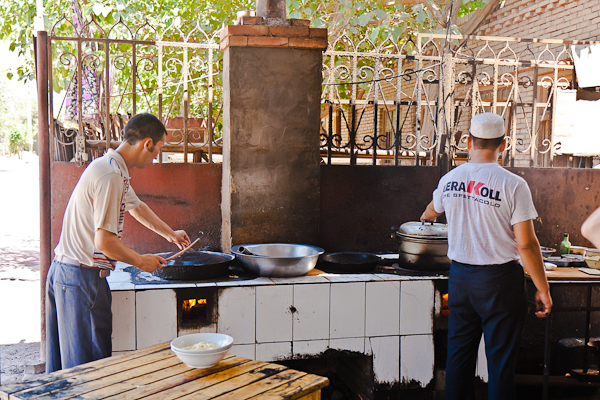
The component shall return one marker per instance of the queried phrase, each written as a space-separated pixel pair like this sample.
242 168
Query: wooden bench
155 373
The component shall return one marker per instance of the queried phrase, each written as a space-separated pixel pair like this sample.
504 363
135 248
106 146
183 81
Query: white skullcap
487 126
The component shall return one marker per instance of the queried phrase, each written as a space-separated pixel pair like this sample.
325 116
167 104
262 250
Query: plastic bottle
565 245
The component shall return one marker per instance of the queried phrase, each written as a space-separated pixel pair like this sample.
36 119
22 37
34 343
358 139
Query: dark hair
144 126
486 144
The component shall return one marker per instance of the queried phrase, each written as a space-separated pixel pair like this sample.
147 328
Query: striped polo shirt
99 201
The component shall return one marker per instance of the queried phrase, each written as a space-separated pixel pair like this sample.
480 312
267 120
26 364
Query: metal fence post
446 110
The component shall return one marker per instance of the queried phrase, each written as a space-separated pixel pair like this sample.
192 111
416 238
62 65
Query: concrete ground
19 265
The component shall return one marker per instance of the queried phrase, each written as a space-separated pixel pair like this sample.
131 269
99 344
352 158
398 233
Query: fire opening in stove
196 308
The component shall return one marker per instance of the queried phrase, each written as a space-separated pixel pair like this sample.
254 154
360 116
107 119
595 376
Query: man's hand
151 262
543 304
430 215
150 220
109 244
181 239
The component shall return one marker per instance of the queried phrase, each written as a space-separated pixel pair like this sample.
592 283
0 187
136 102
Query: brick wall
547 19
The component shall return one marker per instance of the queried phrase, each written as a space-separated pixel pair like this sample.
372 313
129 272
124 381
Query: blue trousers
78 316
488 299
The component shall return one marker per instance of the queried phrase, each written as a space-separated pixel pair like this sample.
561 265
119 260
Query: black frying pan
195 265
348 262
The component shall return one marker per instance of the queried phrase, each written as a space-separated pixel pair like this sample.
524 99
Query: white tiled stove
387 316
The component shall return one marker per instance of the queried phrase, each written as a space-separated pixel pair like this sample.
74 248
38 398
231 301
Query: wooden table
155 373
570 274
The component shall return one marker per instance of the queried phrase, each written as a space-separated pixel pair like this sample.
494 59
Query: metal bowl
547 251
278 260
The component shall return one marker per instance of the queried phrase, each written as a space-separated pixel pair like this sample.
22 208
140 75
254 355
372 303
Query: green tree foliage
13 110
16 19
378 18
16 142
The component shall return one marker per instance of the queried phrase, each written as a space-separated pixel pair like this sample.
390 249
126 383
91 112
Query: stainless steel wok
278 260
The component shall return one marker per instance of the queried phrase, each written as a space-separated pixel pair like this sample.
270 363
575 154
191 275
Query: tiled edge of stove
349 317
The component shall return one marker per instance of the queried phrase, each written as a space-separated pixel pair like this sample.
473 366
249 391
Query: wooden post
44 160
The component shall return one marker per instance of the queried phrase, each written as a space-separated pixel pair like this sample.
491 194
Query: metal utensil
183 251
245 251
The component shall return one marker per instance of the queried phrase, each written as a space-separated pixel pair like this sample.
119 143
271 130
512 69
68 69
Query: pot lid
425 230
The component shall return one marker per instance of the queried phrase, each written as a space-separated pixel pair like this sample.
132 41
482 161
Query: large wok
195 265
348 262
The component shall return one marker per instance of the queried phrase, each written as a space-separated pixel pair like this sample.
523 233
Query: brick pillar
271 118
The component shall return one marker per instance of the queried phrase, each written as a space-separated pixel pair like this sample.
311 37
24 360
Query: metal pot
423 246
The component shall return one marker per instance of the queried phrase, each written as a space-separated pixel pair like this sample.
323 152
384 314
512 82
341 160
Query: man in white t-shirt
490 215
78 300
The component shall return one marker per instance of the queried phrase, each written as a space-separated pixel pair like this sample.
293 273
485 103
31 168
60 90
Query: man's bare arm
150 220
591 228
430 215
531 256
111 246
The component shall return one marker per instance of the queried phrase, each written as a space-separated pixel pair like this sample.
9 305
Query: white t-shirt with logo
482 201
99 201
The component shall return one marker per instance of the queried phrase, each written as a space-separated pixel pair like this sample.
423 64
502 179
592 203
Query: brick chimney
272 94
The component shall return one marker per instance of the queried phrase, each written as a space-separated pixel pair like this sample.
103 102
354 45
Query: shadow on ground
14 358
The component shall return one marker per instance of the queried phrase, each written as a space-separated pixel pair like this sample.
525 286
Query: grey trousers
78 316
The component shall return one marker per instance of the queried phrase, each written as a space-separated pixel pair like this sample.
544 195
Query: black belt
103 272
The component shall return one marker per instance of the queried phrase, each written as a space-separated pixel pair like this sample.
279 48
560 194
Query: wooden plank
209 380
226 386
248 391
80 369
313 396
108 375
147 385
297 389
107 381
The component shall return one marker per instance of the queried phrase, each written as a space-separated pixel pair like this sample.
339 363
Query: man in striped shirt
78 300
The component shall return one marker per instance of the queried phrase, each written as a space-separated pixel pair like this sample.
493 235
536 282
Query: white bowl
550 266
220 339
593 261
201 358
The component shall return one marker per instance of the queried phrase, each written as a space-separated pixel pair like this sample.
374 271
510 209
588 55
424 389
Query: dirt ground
19 266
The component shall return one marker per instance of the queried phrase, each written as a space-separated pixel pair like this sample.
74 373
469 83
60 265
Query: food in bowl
202 346
579 250
201 358
573 257
591 252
